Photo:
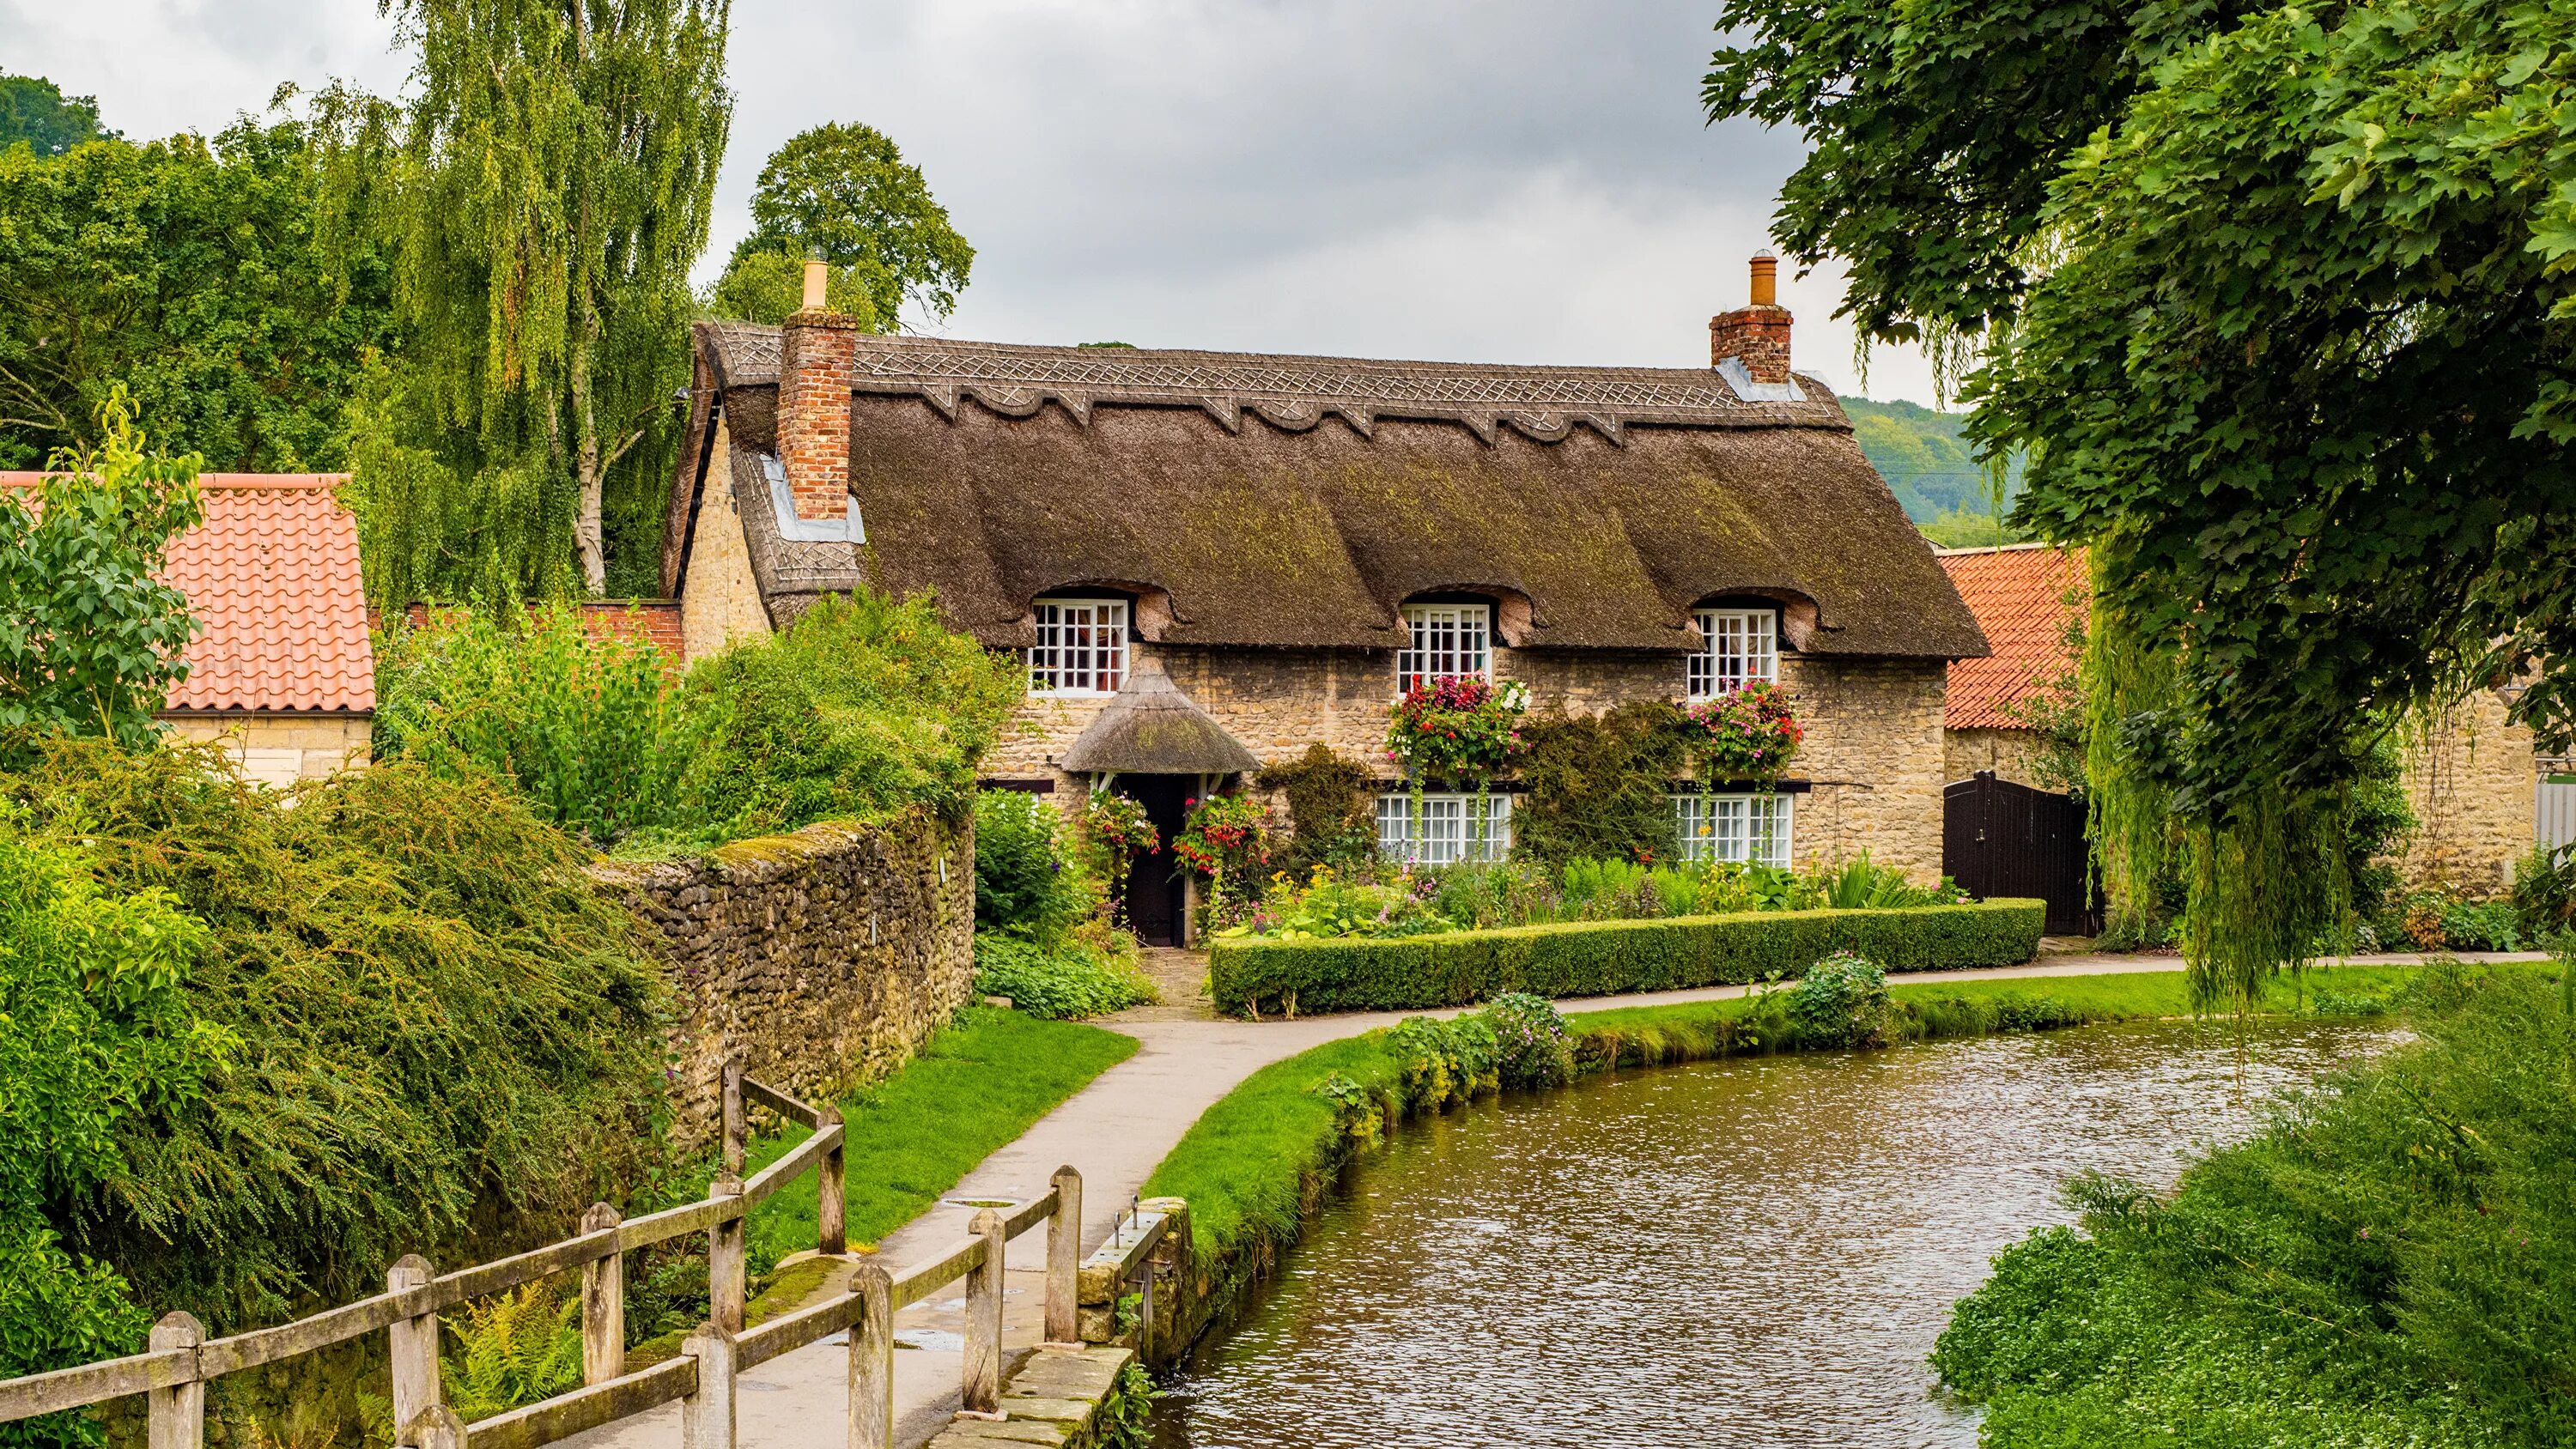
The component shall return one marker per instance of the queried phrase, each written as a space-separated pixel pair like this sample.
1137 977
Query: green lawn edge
1258 1164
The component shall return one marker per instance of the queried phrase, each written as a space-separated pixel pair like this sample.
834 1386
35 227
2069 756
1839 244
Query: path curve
1117 1130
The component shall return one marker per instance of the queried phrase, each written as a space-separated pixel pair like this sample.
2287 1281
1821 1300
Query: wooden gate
1999 838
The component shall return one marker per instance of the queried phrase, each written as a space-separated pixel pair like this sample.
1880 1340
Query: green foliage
1961 528
544 186
438 1017
1749 733
96 1034
1126 1417
860 709
35 112
2544 891
514 1349
1599 958
1069 979
1862 884
2387 1264
768 287
844 192
1227 838
1021 883
1841 1001
1600 785
1109 831
188 272
90 636
1930 465
1458 729
588 732
1531 1051
1329 807
2281 302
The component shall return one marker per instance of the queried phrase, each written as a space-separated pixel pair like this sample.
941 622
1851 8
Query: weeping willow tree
544 184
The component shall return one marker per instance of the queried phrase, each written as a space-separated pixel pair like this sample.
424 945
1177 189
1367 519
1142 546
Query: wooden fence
180 1360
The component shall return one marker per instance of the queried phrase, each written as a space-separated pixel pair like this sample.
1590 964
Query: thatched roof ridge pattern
1313 531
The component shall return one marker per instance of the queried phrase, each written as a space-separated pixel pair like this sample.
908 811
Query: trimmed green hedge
1601 958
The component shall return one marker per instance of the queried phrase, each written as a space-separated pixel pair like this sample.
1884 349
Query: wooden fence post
1064 1259
733 1129
603 1304
872 1360
728 1260
438 1428
706 1417
177 1415
983 1382
832 1200
412 1345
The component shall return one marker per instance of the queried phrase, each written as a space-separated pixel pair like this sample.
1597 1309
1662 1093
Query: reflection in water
1757 1252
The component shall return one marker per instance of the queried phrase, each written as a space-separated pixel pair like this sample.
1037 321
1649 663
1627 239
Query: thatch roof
1298 502
1150 728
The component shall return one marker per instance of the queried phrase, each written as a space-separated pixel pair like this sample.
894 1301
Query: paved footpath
1116 1131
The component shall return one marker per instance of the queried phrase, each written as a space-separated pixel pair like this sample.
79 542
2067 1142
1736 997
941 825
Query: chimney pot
1766 279
818 277
1755 337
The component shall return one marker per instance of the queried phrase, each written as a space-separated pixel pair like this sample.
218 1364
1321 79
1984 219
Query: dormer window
1743 646
1081 648
1448 640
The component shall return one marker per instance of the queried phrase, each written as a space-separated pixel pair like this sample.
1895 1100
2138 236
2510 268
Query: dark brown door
1999 838
1155 882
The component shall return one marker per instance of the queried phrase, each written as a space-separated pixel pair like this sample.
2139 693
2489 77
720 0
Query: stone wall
2011 754
2471 780
280 749
1873 747
722 600
823 959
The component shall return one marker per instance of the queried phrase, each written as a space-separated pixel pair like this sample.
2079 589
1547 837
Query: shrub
1600 785
1841 1002
859 710
1072 979
1330 812
2544 891
588 731
1598 958
2481 926
1530 1045
1021 880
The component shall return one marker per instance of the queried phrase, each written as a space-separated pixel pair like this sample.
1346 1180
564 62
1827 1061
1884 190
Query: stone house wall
722 600
823 958
2011 754
1873 747
282 748
2472 780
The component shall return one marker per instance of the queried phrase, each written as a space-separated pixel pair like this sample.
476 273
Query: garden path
1116 1131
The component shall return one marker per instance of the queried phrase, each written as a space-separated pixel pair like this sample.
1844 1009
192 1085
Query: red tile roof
2020 595
272 576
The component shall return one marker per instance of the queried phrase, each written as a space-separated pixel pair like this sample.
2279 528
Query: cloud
1510 180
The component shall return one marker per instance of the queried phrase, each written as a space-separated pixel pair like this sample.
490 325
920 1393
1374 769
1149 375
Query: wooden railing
179 1361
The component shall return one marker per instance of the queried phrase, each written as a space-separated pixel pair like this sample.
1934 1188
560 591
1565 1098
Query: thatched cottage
1214 560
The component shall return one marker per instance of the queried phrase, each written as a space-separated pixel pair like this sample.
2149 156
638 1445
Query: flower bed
1596 958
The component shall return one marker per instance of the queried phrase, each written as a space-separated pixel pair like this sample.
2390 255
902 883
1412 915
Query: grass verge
1256 1166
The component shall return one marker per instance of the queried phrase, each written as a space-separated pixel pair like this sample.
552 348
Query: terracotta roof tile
272 576
2020 597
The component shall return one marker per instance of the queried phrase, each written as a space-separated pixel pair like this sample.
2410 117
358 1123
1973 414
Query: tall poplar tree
545 184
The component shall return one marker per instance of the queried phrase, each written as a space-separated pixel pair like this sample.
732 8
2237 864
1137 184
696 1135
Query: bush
588 731
2544 891
1072 979
1841 1002
1331 816
1530 1046
861 709
1600 785
1021 880
1599 958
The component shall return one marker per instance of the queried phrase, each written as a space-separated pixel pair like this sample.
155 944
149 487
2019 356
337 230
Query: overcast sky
1485 180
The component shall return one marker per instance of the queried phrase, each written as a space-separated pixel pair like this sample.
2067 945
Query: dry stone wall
2471 779
824 958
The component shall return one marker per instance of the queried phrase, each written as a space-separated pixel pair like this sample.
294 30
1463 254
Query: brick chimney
815 352
1755 337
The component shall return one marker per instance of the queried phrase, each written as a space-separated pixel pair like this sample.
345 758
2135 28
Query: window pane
1445 640
1081 646
1743 646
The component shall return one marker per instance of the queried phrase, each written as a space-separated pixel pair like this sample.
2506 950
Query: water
1746 1253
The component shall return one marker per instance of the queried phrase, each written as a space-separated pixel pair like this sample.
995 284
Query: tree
34 110
2282 302
843 192
187 272
90 637
545 186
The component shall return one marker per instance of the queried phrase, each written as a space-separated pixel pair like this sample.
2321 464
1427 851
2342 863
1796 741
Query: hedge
1601 958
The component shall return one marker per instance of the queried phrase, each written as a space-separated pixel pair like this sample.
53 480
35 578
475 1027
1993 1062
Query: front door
1156 881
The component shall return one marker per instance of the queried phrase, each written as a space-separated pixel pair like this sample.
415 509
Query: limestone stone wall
280 749
2011 754
824 958
2471 780
722 600
1873 746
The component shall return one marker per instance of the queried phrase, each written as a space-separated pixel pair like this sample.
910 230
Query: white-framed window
1081 648
1743 646
1752 828
1448 639
1446 833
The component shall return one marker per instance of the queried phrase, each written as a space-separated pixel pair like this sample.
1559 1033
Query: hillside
1932 469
